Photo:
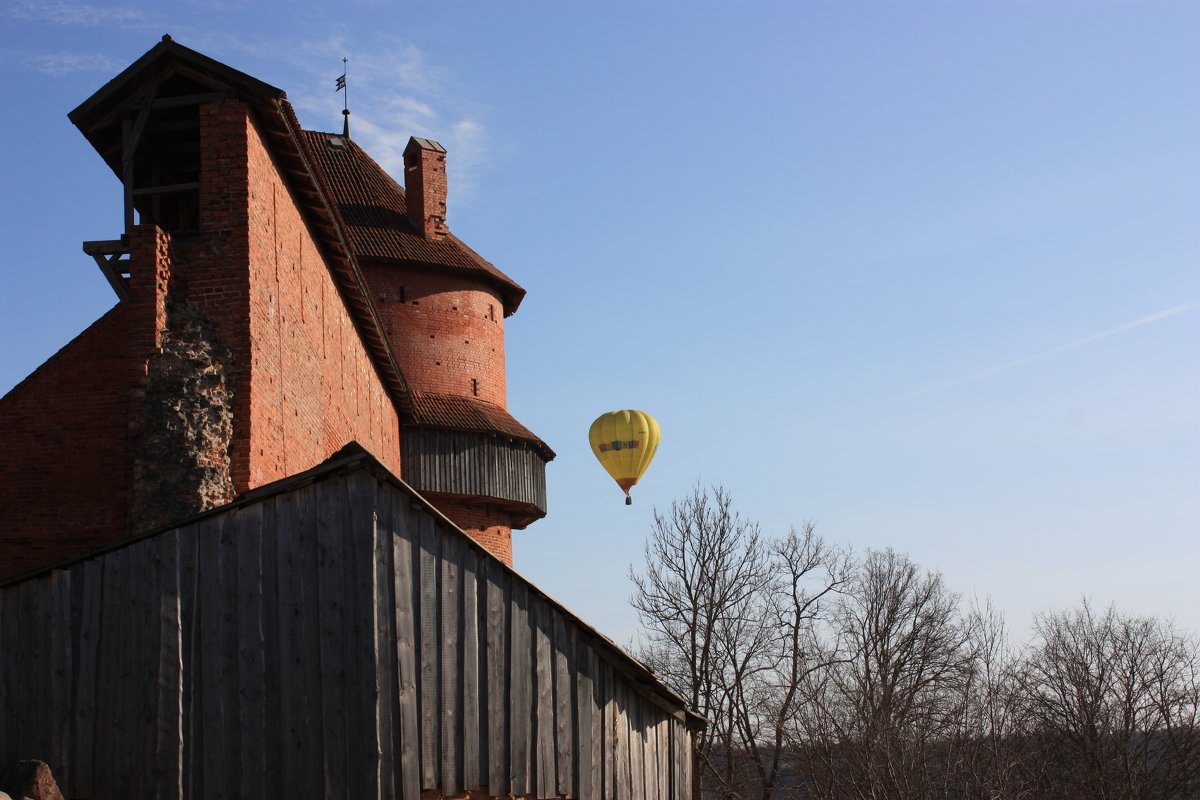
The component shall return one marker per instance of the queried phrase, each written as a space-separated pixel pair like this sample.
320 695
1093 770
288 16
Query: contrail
950 383
1020 362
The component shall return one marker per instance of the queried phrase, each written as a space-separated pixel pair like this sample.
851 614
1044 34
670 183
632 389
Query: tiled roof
467 414
371 206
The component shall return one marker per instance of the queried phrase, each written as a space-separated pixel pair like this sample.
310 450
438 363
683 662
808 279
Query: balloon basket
628 500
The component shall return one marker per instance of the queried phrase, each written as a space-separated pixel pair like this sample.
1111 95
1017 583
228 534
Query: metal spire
341 87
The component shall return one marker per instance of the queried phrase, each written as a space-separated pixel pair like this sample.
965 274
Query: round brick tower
442 307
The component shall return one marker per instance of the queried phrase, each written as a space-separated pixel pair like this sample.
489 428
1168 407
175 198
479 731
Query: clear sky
922 272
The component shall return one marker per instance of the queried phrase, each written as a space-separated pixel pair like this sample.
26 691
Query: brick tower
442 307
278 299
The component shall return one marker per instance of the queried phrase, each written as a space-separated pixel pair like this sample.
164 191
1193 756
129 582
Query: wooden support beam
179 101
108 256
174 187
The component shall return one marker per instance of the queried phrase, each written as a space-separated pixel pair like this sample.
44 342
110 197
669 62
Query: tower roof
373 211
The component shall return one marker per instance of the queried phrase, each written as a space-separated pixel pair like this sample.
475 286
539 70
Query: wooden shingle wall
333 639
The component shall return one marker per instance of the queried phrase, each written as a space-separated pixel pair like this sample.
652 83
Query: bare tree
1114 700
827 677
699 600
877 719
731 622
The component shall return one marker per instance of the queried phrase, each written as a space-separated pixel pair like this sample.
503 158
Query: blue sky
922 272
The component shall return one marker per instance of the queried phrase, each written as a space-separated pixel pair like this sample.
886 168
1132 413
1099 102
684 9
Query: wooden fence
328 636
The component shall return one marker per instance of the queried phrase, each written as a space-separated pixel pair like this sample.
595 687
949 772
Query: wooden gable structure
328 635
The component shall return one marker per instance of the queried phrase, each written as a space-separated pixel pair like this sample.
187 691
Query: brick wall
482 522
447 332
64 459
314 387
295 378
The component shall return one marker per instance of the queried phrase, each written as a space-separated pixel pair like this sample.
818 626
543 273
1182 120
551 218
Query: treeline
829 675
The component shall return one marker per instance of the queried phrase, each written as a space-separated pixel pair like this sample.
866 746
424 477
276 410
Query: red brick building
280 296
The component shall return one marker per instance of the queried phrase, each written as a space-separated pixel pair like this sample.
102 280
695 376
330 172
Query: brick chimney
425 186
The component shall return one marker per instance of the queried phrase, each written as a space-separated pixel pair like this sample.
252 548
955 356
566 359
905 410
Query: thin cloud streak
951 383
1020 362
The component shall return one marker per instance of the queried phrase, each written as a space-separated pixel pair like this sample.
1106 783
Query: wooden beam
174 187
180 101
107 255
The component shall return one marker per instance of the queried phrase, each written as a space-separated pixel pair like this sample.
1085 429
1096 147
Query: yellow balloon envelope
625 443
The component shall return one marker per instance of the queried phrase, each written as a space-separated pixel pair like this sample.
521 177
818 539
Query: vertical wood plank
473 772
359 639
429 651
251 664
585 766
564 705
142 642
189 640
622 783
25 665
274 699
520 680
544 677
7 644
335 676
167 759
387 721
607 731
299 642
404 550
499 627
637 775
61 669
451 664
112 615
597 761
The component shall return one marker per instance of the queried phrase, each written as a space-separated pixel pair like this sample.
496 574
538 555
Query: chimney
425 186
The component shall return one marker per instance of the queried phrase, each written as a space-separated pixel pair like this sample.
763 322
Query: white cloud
395 93
68 12
59 64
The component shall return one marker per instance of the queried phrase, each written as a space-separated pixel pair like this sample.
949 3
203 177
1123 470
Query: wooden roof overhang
103 120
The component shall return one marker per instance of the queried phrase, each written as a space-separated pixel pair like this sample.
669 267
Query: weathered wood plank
520 679
585 765
299 642
564 706
251 665
450 607
22 667
544 682
61 663
499 626
384 612
274 700
335 673
427 646
109 739
607 729
404 550
473 747
167 758
189 640
359 534
7 672
622 781
637 748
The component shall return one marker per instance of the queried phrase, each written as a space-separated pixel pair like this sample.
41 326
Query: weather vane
341 87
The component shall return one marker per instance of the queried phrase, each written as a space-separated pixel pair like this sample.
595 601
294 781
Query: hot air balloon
625 443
